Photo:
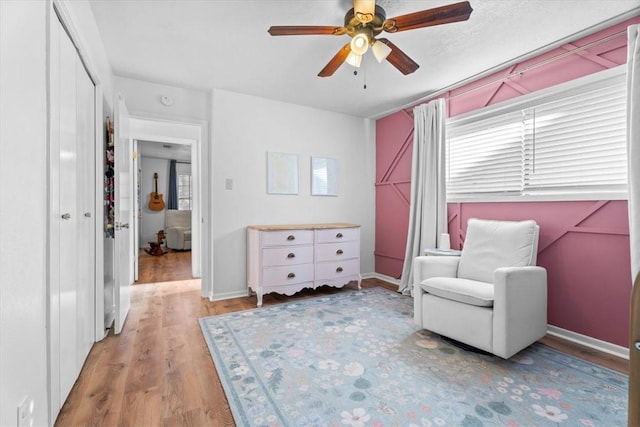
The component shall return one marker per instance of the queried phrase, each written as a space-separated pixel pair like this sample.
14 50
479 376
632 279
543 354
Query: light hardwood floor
158 372
173 265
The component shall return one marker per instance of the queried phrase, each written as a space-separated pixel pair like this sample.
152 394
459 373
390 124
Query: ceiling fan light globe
380 50
359 44
354 60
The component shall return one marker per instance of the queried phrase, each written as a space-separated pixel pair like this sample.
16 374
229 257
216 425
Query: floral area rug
356 359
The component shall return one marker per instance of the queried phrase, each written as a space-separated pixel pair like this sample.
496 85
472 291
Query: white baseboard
229 295
596 344
382 277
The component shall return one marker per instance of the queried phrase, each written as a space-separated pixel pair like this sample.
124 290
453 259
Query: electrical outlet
228 184
25 412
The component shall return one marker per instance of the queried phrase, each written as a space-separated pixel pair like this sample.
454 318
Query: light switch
228 184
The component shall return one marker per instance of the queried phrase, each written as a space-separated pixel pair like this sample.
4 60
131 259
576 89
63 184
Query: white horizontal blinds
579 142
568 141
486 156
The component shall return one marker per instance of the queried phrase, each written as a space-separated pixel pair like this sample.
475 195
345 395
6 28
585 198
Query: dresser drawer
335 235
337 269
287 274
288 237
291 255
337 251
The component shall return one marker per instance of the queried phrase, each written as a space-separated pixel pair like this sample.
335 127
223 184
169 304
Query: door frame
183 133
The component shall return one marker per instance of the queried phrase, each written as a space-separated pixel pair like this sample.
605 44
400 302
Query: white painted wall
152 221
23 208
143 99
244 129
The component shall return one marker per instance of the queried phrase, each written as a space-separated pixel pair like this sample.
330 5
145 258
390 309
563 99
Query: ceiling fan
365 21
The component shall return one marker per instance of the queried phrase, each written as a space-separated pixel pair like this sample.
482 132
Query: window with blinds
567 141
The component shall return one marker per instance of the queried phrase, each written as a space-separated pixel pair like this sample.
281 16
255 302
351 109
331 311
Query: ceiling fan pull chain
365 75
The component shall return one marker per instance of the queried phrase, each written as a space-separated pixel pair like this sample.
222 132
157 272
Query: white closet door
68 216
72 233
85 105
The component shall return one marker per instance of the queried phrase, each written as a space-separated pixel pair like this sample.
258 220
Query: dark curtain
173 186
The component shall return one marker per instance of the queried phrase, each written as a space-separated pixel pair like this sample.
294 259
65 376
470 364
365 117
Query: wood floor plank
158 371
142 408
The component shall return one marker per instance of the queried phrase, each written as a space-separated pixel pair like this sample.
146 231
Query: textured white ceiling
224 44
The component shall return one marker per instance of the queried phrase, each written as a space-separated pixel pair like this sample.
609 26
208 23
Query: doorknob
87 214
125 225
66 216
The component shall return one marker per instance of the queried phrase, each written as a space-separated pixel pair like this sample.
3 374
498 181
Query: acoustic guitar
155 199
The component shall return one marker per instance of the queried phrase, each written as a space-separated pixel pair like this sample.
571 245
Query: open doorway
164 211
165 136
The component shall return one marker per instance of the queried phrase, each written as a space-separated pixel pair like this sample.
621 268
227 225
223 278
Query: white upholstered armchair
178 229
493 297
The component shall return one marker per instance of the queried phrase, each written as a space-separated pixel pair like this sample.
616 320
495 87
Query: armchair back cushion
176 218
492 244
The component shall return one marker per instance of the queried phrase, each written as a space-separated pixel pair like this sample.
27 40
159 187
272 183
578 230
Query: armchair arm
425 267
519 308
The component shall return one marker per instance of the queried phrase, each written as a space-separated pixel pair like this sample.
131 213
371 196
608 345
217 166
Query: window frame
550 94
184 169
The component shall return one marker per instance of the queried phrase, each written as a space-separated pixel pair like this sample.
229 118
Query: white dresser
288 258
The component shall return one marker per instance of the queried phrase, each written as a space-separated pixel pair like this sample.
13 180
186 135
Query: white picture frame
324 176
282 173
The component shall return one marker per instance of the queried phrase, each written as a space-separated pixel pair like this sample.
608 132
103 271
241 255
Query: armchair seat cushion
465 291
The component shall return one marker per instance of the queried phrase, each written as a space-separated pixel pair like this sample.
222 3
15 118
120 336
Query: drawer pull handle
291 255
339 236
291 237
291 275
339 252
339 270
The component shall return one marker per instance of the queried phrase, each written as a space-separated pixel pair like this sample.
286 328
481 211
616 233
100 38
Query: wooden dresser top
301 226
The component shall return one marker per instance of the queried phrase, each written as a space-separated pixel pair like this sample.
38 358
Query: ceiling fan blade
399 59
336 61
302 30
426 18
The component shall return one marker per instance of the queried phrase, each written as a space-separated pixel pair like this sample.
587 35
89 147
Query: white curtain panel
633 144
428 210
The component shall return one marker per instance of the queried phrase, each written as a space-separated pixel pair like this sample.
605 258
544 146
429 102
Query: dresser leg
259 294
359 281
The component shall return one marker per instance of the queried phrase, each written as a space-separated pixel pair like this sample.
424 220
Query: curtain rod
438 93
540 64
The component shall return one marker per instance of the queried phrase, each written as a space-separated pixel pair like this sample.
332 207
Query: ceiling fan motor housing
372 28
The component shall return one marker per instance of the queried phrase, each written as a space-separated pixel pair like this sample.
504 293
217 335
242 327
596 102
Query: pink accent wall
583 245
